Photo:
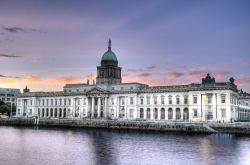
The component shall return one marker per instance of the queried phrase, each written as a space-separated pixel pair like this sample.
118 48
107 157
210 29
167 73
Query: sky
46 44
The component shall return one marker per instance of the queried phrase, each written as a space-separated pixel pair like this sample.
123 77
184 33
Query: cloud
3 76
144 74
221 75
243 81
152 67
173 75
31 79
13 29
196 74
9 56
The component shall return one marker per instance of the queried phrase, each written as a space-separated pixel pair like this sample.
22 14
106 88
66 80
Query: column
105 107
166 114
145 113
182 113
159 113
125 107
49 112
99 107
117 107
174 113
92 107
151 113
87 108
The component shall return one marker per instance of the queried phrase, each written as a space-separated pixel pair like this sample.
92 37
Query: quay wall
240 128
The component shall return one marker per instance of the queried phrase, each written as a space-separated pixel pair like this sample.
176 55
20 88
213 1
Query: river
59 146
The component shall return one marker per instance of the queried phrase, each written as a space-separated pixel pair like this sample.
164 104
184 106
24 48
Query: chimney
87 82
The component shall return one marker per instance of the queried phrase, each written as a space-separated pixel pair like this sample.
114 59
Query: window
84 101
13 99
131 113
113 88
51 101
30 113
123 100
185 99
162 100
43 102
121 88
78 101
131 100
64 101
177 99
30 102
195 99
223 98
223 113
69 101
169 99
155 99
195 112
60 102
8 99
112 101
141 100
148 100
47 101
209 99
55 101
131 88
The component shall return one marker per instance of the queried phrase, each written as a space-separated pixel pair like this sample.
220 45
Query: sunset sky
48 43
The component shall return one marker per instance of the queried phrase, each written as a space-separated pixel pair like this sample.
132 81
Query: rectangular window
51 101
223 113
223 98
177 100
47 101
209 99
195 99
155 100
43 102
123 101
141 100
131 113
69 101
64 101
78 101
185 99
8 99
30 102
112 101
56 102
84 101
195 113
169 100
162 100
131 100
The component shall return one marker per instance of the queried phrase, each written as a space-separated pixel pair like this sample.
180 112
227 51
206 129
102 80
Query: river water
59 146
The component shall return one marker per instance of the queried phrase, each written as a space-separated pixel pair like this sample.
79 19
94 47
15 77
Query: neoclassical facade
110 99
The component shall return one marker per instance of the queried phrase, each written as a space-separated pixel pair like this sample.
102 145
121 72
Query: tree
4 109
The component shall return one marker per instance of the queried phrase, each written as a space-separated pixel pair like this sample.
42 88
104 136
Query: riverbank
238 128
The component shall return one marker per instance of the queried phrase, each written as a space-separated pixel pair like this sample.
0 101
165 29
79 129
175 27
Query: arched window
141 113
170 113
178 114
51 112
162 114
185 114
148 113
155 114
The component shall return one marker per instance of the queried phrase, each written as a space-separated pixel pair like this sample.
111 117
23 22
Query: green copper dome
109 55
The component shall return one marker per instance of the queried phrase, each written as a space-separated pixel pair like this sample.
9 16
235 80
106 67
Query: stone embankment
241 128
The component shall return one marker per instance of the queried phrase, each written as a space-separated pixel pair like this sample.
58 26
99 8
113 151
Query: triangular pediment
96 90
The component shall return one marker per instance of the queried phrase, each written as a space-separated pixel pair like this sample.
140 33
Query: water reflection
95 146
